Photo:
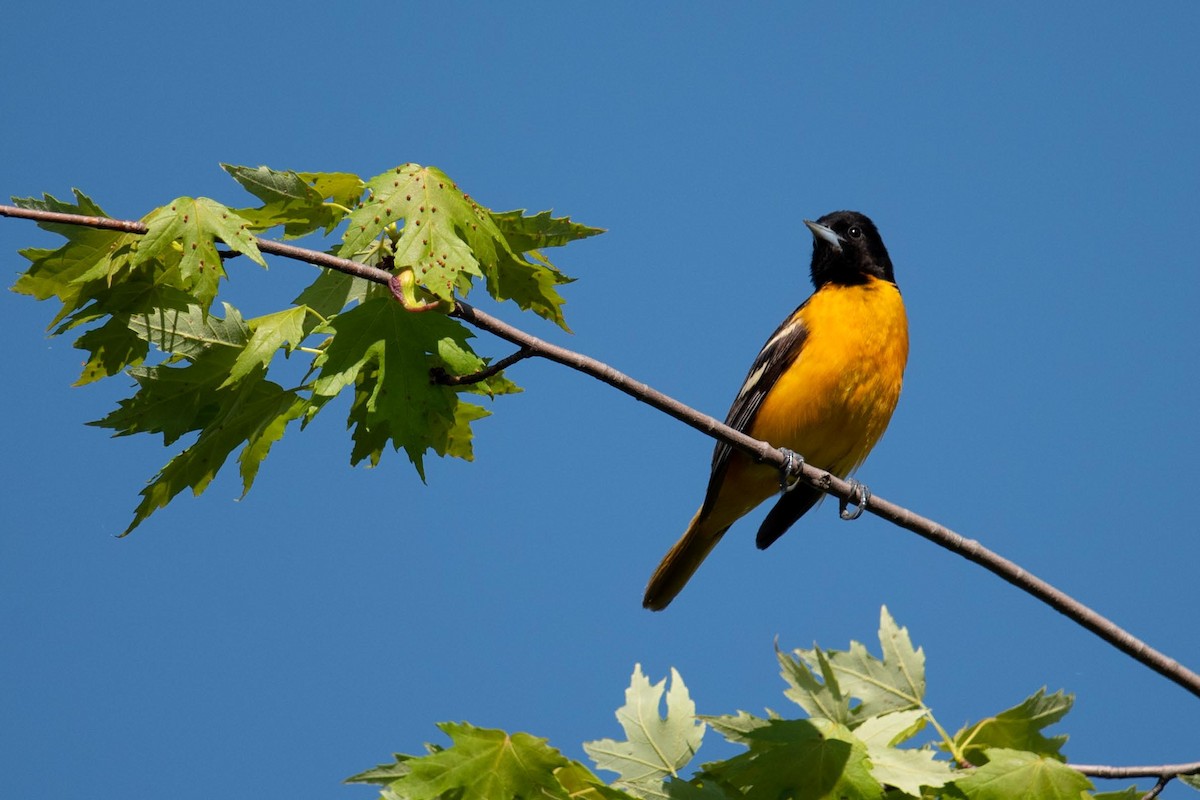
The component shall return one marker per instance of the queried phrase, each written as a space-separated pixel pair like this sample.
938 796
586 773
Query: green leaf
1018 728
448 240
656 747
386 354
384 773
174 400
533 232
906 769
296 200
1131 793
81 267
269 333
1191 780
188 228
112 347
822 699
1011 773
895 683
581 784
332 291
484 764
250 414
193 332
799 759
736 727
440 239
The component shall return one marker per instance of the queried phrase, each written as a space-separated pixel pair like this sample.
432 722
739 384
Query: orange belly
835 401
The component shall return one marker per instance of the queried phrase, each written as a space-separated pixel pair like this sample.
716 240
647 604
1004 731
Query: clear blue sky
1035 173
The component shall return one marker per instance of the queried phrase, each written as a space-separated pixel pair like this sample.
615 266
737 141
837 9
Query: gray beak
827 234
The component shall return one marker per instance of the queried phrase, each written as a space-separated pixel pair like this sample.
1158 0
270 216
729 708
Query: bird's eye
855 232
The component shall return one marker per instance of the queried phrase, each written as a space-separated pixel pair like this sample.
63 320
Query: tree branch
1167 771
760 451
440 375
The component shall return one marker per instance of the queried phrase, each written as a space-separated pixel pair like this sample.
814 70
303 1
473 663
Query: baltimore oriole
824 385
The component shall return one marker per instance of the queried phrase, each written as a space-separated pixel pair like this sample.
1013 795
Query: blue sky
1035 175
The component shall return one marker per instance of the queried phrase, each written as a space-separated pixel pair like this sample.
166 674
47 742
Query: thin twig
760 451
444 378
1156 790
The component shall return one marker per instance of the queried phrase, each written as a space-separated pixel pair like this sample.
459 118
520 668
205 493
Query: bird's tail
681 562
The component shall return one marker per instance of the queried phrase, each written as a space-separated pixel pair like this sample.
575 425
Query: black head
847 249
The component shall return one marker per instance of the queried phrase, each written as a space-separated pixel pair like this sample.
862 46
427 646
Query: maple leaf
1018 728
895 682
799 759
483 764
186 229
297 201
906 769
656 747
386 354
448 240
1011 773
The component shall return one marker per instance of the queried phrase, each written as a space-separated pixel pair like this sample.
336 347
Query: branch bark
763 452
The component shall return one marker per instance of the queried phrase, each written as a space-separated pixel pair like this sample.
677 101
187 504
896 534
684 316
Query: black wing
779 353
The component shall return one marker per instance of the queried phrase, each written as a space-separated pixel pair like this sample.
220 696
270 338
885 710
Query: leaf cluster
146 305
859 738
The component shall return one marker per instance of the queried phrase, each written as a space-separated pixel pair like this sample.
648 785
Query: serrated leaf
800 759
268 334
193 332
250 414
896 682
656 747
1011 773
822 699
440 238
696 789
484 764
892 728
188 228
341 188
332 291
535 231
893 683
582 784
176 399
79 268
112 347
384 773
448 240
1018 728
386 354
906 769
735 727
296 200
1130 793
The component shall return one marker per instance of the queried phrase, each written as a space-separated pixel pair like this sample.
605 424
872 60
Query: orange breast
836 400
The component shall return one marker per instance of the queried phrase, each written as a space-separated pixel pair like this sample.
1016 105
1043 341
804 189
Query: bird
824 385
